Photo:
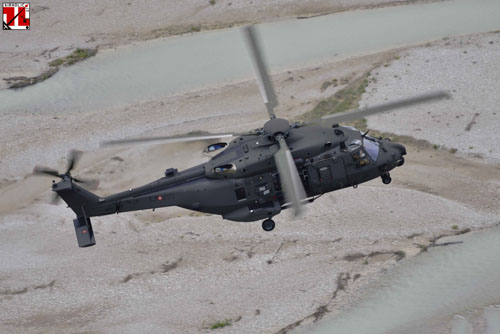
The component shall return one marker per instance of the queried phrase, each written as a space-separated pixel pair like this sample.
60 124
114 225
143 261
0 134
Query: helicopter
257 174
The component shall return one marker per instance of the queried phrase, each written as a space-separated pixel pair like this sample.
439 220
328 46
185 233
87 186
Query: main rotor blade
363 112
261 72
74 157
289 177
170 139
39 170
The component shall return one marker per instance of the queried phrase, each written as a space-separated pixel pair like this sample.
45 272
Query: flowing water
435 285
151 69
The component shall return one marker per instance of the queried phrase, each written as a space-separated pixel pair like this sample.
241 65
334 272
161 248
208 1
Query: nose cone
398 147
396 152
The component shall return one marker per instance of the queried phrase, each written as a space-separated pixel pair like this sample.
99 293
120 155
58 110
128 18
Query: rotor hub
276 126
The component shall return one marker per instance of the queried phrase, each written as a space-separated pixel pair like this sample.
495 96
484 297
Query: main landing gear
386 178
268 225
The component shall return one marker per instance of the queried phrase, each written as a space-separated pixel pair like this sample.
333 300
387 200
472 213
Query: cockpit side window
215 147
354 145
360 159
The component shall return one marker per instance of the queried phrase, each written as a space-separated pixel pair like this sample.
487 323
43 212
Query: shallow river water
435 285
147 70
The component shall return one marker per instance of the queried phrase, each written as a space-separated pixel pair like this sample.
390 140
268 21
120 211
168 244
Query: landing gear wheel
401 162
268 225
386 178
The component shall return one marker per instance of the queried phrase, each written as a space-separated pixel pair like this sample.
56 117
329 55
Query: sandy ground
58 28
172 271
176 271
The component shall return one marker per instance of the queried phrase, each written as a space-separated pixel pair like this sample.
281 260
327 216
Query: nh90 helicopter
257 174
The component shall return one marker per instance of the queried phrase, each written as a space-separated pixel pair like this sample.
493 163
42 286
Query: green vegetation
409 140
453 150
79 55
348 98
345 99
20 82
212 2
75 57
220 324
195 28
327 84
47 74
57 62
454 227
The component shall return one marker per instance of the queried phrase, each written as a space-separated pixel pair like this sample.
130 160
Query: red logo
16 15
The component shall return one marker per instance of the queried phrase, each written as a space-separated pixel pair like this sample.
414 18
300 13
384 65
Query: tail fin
81 201
77 198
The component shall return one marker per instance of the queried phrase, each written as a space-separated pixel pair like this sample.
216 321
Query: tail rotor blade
74 156
263 80
40 170
90 184
363 112
55 199
289 177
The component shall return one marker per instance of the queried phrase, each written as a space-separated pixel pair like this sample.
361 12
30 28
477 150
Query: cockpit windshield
372 148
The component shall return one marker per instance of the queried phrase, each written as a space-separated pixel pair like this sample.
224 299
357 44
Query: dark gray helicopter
257 174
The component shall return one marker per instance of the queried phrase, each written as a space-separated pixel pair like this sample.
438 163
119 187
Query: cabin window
215 147
225 169
240 194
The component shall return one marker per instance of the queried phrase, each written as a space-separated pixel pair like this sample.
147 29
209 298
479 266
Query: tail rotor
73 158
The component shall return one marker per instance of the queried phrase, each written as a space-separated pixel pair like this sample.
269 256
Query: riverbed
148 70
179 271
428 289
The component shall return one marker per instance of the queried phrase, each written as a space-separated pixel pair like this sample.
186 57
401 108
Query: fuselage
241 183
